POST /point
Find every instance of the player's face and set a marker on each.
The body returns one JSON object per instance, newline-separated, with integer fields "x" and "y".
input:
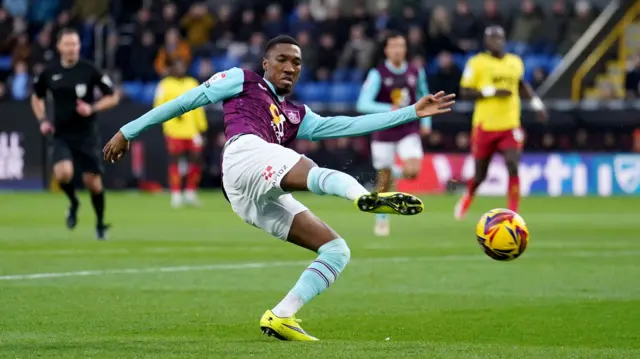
{"x": 495, "y": 43}
{"x": 179, "y": 69}
{"x": 396, "y": 49}
{"x": 282, "y": 67}
{"x": 69, "y": 47}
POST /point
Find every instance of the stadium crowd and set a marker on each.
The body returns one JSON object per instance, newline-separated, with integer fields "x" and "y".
{"x": 338, "y": 39}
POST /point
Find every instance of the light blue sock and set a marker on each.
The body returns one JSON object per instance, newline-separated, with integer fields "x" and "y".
{"x": 323, "y": 181}
{"x": 319, "y": 275}
{"x": 380, "y": 217}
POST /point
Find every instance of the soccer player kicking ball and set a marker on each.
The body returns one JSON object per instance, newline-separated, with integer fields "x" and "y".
{"x": 394, "y": 84}
{"x": 260, "y": 172}
{"x": 494, "y": 79}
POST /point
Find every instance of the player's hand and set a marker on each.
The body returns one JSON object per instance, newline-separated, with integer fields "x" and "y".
{"x": 503, "y": 93}
{"x": 432, "y": 105}
{"x": 46, "y": 127}
{"x": 116, "y": 148}
{"x": 83, "y": 108}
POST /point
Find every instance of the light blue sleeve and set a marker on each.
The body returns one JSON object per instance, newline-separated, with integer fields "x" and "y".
{"x": 219, "y": 87}
{"x": 367, "y": 99}
{"x": 315, "y": 127}
{"x": 423, "y": 90}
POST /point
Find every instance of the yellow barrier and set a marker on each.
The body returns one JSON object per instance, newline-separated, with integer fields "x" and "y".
{"x": 616, "y": 33}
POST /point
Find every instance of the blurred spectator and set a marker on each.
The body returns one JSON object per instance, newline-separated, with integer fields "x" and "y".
{"x": 19, "y": 81}
{"x": 548, "y": 142}
{"x": 224, "y": 24}
{"x": 253, "y": 58}
{"x": 6, "y": 28}
{"x": 63, "y": 20}
{"x": 577, "y": 26}
{"x": 549, "y": 35}
{"x": 274, "y": 23}
{"x": 309, "y": 51}
{"x": 439, "y": 36}
{"x": 526, "y": 24}
{"x": 466, "y": 31}
{"x": 462, "y": 141}
{"x": 435, "y": 142}
{"x": 447, "y": 78}
{"x": 16, "y": 8}
{"x": 336, "y": 24}
{"x": 302, "y": 20}
{"x": 416, "y": 42}
{"x": 174, "y": 48}
{"x": 539, "y": 76}
{"x": 43, "y": 11}
{"x": 205, "y": 70}
{"x": 492, "y": 16}
{"x": 418, "y": 61}
{"x": 320, "y": 9}
{"x": 142, "y": 23}
{"x": 582, "y": 140}
{"x": 636, "y": 140}
{"x": 406, "y": 21}
{"x": 358, "y": 52}
{"x": 609, "y": 142}
{"x": 89, "y": 11}
{"x": 380, "y": 23}
{"x": 632, "y": 80}
{"x": 329, "y": 59}
{"x": 248, "y": 25}
{"x": 21, "y": 50}
{"x": 168, "y": 20}
{"x": 198, "y": 24}
{"x": 41, "y": 52}
{"x": 144, "y": 54}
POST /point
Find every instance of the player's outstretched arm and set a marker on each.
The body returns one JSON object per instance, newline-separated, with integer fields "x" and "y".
{"x": 315, "y": 127}
{"x": 221, "y": 86}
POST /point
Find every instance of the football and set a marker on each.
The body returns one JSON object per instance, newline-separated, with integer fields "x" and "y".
{"x": 502, "y": 234}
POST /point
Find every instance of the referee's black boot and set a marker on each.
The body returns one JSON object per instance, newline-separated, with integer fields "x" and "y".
{"x": 101, "y": 231}
{"x": 72, "y": 215}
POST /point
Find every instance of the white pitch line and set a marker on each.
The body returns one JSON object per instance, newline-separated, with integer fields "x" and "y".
{"x": 259, "y": 265}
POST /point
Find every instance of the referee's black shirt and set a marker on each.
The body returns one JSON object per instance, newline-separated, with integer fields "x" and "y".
{"x": 67, "y": 85}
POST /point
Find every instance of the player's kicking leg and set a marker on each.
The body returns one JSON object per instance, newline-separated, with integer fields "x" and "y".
{"x": 257, "y": 179}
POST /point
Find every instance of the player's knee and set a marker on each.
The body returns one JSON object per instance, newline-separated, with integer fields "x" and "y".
{"x": 337, "y": 252}
{"x": 480, "y": 176}
{"x": 411, "y": 173}
{"x": 512, "y": 168}
{"x": 92, "y": 182}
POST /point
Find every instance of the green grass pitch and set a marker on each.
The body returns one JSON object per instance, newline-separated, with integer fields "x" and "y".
{"x": 192, "y": 283}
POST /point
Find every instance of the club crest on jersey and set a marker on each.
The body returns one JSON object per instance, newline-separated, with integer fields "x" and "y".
{"x": 81, "y": 90}
{"x": 388, "y": 81}
{"x": 293, "y": 116}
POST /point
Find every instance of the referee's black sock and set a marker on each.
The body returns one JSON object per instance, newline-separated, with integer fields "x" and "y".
{"x": 70, "y": 191}
{"x": 97, "y": 199}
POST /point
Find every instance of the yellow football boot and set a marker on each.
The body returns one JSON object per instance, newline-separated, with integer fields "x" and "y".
{"x": 390, "y": 203}
{"x": 284, "y": 328}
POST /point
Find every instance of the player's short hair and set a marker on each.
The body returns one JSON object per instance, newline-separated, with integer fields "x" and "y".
{"x": 67, "y": 31}
{"x": 280, "y": 39}
{"x": 391, "y": 35}
{"x": 494, "y": 30}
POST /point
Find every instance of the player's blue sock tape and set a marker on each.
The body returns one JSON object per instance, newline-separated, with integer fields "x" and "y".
{"x": 332, "y": 259}
{"x": 323, "y": 181}
{"x": 382, "y": 216}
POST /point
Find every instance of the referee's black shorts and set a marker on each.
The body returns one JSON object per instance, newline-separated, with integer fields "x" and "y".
{"x": 85, "y": 155}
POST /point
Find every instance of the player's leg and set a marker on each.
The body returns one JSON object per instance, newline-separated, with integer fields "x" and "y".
{"x": 411, "y": 153}
{"x": 482, "y": 149}
{"x": 194, "y": 173}
{"x": 511, "y": 147}
{"x": 383, "y": 158}
{"x": 175, "y": 150}
{"x": 63, "y": 172}
{"x": 89, "y": 159}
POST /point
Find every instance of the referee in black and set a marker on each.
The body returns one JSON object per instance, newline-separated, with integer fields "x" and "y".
{"x": 76, "y": 141}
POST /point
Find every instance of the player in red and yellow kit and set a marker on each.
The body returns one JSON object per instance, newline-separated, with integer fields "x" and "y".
{"x": 184, "y": 135}
{"x": 494, "y": 79}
